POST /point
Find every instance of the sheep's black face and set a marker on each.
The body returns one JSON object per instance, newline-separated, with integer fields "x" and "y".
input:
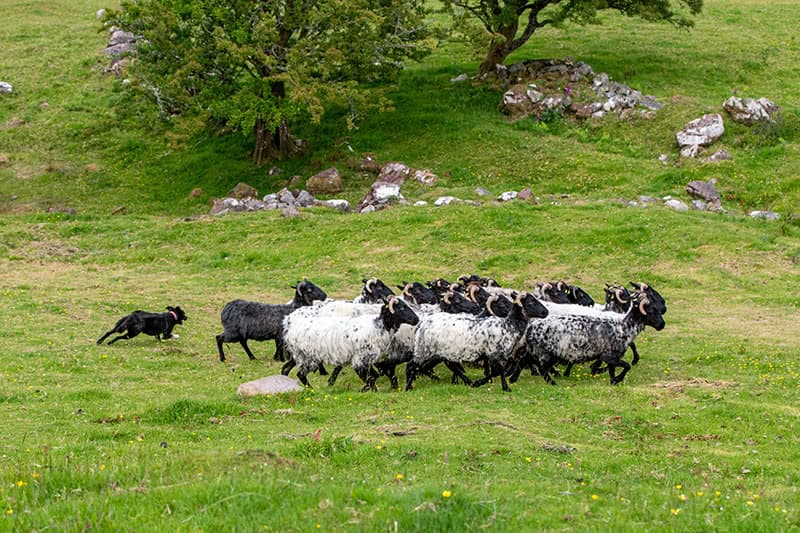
{"x": 498, "y": 305}
{"x": 180, "y": 316}
{"x": 308, "y": 292}
{"x": 472, "y": 278}
{"x": 648, "y": 311}
{"x": 578, "y": 296}
{"x": 551, "y": 293}
{"x": 454, "y": 302}
{"x": 489, "y": 282}
{"x": 532, "y": 307}
{"x": 439, "y": 285}
{"x": 395, "y": 312}
{"x": 653, "y": 295}
{"x": 478, "y": 295}
{"x": 618, "y": 298}
{"x": 419, "y": 293}
{"x": 375, "y": 290}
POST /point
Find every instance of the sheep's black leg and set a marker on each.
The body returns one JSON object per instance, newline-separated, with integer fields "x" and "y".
{"x": 288, "y": 366}
{"x": 334, "y": 375}
{"x": 280, "y": 355}
{"x": 503, "y": 379}
{"x": 597, "y": 367}
{"x": 456, "y": 368}
{"x": 219, "y": 347}
{"x": 515, "y": 371}
{"x": 388, "y": 369}
{"x": 301, "y": 375}
{"x": 366, "y": 376}
{"x": 243, "y": 342}
{"x": 625, "y": 367}
{"x": 321, "y": 370}
{"x": 568, "y": 370}
{"x": 545, "y": 366}
{"x": 635, "y": 353}
{"x": 411, "y": 374}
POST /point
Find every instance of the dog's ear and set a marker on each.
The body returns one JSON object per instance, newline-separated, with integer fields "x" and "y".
{"x": 170, "y": 308}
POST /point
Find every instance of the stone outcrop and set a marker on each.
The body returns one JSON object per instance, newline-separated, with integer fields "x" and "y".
{"x": 748, "y": 111}
{"x": 329, "y": 181}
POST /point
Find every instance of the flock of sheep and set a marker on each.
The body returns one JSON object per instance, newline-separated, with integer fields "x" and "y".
{"x": 472, "y": 322}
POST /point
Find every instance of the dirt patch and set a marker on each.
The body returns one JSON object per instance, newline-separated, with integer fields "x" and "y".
{"x": 395, "y": 430}
{"x": 680, "y": 386}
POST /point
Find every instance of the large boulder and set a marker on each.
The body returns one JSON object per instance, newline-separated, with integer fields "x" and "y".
{"x": 705, "y": 190}
{"x": 326, "y": 182}
{"x": 267, "y": 386}
{"x": 394, "y": 172}
{"x": 243, "y": 190}
{"x": 748, "y": 111}
{"x": 702, "y": 131}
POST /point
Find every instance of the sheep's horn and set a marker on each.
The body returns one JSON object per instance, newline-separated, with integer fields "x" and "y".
{"x": 644, "y": 302}
{"x": 617, "y": 293}
{"x": 391, "y": 305}
{"x": 453, "y": 286}
{"x": 472, "y": 291}
{"x": 560, "y": 285}
{"x": 548, "y": 285}
{"x": 446, "y": 297}
{"x": 489, "y": 302}
{"x": 368, "y": 284}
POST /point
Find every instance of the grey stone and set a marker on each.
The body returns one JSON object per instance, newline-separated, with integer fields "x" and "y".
{"x": 425, "y": 177}
{"x": 100, "y": 13}
{"x": 285, "y": 197}
{"x": 598, "y": 114}
{"x": 420, "y": 203}
{"x": 717, "y": 157}
{"x": 326, "y": 182}
{"x": 6, "y": 88}
{"x": 368, "y": 209}
{"x": 267, "y": 386}
{"x": 341, "y": 205}
{"x": 120, "y": 37}
{"x": 305, "y": 199}
{"x": 525, "y": 194}
{"x": 748, "y": 111}
{"x": 386, "y": 191}
{"x": 369, "y": 163}
{"x": 394, "y": 172}
{"x": 766, "y": 215}
{"x": 507, "y": 196}
{"x": 252, "y": 204}
{"x": 290, "y": 211}
{"x": 702, "y": 131}
{"x": 646, "y": 199}
{"x": 705, "y": 191}
{"x": 270, "y": 198}
{"x": 677, "y": 205}
{"x": 699, "y": 205}
{"x": 461, "y": 77}
{"x": 243, "y": 190}
{"x": 480, "y": 191}
{"x": 691, "y": 151}
{"x": 664, "y": 158}
{"x": 64, "y": 210}
{"x": 446, "y": 200}
{"x": 516, "y": 101}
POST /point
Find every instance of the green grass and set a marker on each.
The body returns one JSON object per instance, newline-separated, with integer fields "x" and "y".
{"x": 149, "y": 435}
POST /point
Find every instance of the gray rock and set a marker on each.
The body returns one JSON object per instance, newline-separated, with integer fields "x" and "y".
{"x": 461, "y": 77}
{"x": 341, "y": 205}
{"x": 699, "y": 205}
{"x": 121, "y": 37}
{"x": 100, "y": 13}
{"x": 705, "y": 191}
{"x": 507, "y": 196}
{"x": 748, "y": 111}
{"x": 766, "y": 215}
{"x": 702, "y": 131}
{"x": 677, "y": 205}
{"x": 285, "y": 197}
{"x": 326, "y": 182}
{"x": 368, "y": 209}
{"x": 305, "y": 199}
{"x": 394, "y": 172}
{"x": 717, "y": 157}
{"x": 516, "y": 102}
{"x": 267, "y": 386}
{"x": 646, "y": 199}
{"x": 243, "y": 190}
{"x": 290, "y": 211}
{"x": 379, "y": 196}
{"x": 691, "y": 151}
{"x": 525, "y": 194}
{"x": 369, "y": 163}
{"x": 480, "y": 191}
{"x": 270, "y": 198}
{"x": 425, "y": 177}
{"x": 6, "y": 88}
{"x": 420, "y": 203}
{"x": 64, "y": 210}
{"x": 664, "y": 158}
{"x": 252, "y": 204}
{"x": 598, "y": 114}
{"x": 446, "y": 200}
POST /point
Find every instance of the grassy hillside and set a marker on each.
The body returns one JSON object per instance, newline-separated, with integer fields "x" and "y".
{"x": 149, "y": 435}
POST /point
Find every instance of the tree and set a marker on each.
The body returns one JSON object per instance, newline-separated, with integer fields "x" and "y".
{"x": 510, "y": 23}
{"x": 257, "y": 65}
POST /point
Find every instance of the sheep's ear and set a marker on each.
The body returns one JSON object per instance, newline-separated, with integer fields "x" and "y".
{"x": 363, "y": 280}
{"x": 293, "y": 286}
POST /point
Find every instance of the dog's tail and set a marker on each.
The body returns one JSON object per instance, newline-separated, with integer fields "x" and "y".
{"x": 119, "y": 327}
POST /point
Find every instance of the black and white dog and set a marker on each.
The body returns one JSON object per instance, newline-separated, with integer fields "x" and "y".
{"x": 155, "y": 324}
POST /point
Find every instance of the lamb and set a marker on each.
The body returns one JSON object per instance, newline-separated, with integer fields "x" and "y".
{"x": 243, "y": 320}
{"x": 584, "y": 338}
{"x": 358, "y": 341}
{"x": 467, "y": 339}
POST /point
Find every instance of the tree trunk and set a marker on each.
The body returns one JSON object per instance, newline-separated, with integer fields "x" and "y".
{"x": 275, "y": 144}
{"x": 498, "y": 51}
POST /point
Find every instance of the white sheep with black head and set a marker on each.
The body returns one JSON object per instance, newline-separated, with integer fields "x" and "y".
{"x": 585, "y": 338}
{"x": 359, "y": 341}
{"x": 463, "y": 338}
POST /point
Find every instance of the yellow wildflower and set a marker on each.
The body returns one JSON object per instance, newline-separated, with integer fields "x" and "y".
{"x": 446, "y": 494}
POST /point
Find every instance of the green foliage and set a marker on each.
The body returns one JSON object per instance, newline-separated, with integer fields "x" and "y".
{"x": 260, "y": 65}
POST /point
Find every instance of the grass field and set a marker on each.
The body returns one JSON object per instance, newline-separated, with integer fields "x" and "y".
{"x": 148, "y": 435}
